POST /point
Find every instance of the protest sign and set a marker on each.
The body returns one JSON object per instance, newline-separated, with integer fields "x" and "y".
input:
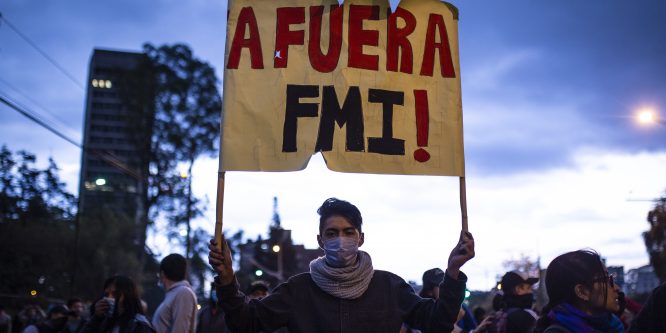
{"x": 373, "y": 90}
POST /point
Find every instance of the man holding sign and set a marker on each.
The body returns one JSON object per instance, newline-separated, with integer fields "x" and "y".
{"x": 342, "y": 292}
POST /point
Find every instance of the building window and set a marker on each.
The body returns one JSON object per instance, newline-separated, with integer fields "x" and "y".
{"x": 102, "y": 83}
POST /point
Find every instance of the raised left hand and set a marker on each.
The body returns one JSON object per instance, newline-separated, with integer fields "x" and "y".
{"x": 462, "y": 253}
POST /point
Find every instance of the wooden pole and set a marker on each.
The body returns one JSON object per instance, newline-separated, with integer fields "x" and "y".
{"x": 463, "y": 203}
{"x": 219, "y": 207}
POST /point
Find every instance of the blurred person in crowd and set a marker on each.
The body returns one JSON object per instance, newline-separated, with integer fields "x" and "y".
{"x": 431, "y": 280}
{"x": 583, "y": 297}
{"x": 479, "y": 314}
{"x": 342, "y": 289}
{"x": 119, "y": 310}
{"x": 515, "y": 314}
{"x": 430, "y": 289}
{"x": 467, "y": 323}
{"x": 211, "y": 316}
{"x": 76, "y": 320}
{"x": 484, "y": 322}
{"x": 258, "y": 290}
{"x": 56, "y": 320}
{"x": 178, "y": 310}
{"x": 5, "y": 321}
{"x": 629, "y": 308}
{"x": 652, "y": 317}
{"x": 30, "y": 314}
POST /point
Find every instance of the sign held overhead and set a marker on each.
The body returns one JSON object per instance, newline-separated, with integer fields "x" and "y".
{"x": 374, "y": 91}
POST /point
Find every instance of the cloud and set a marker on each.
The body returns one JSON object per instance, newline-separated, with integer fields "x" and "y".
{"x": 411, "y": 222}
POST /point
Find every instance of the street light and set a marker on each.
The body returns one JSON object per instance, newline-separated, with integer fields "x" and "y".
{"x": 276, "y": 249}
{"x": 648, "y": 116}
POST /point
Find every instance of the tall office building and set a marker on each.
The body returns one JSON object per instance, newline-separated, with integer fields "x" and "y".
{"x": 109, "y": 162}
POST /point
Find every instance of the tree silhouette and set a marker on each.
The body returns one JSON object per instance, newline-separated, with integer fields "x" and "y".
{"x": 188, "y": 107}
{"x": 655, "y": 238}
{"x": 175, "y": 119}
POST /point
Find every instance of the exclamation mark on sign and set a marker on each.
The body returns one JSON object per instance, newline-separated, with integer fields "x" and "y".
{"x": 422, "y": 121}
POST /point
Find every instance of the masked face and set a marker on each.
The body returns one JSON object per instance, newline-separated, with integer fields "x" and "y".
{"x": 524, "y": 301}
{"x": 340, "y": 241}
{"x": 341, "y": 251}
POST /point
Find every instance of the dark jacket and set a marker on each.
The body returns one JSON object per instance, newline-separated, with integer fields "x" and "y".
{"x": 556, "y": 328}
{"x": 103, "y": 325}
{"x": 652, "y": 317}
{"x": 519, "y": 321}
{"x": 211, "y": 319}
{"x": 301, "y": 306}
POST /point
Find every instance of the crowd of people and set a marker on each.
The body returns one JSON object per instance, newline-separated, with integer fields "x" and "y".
{"x": 342, "y": 292}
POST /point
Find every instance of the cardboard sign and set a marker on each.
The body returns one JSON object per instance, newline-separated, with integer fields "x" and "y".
{"x": 374, "y": 91}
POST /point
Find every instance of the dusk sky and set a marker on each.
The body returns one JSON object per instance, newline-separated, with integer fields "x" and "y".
{"x": 555, "y": 160}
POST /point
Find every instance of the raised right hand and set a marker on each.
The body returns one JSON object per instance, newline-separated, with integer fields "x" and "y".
{"x": 220, "y": 260}
{"x": 101, "y": 307}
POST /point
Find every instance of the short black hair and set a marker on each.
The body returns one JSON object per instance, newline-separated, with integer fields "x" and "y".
{"x": 258, "y": 285}
{"x": 73, "y": 301}
{"x": 334, "y": 206}
{"x": 174, "y": 267}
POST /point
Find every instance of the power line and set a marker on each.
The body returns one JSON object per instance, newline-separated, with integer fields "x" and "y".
{"x": 42, "y": 52}
{"x": 54, "y": 116}
{"x": 42, "y": 123}
{"x": 112, "y": 160}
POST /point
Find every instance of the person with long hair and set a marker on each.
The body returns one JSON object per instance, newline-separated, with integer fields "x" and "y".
{"x": 582, "y": 296}
{"x": 119, "y": 310}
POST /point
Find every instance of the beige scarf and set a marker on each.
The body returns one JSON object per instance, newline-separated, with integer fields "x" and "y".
{"x": 344, "y": 282}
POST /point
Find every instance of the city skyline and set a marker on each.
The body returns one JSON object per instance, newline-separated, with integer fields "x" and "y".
{"x": 553, "y": 155}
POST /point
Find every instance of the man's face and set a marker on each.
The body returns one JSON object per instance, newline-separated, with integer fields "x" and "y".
{"x": 58, "y": 321}
{"x": 110, "y": 291}
{"x": 522, "y": 289}
{"x": 57, "y": 315}
{"x": 258, "y": 294}
{"x": 77, "y": 308}
{"x": 338, "y": 226}
{"x": 433, "y": 293}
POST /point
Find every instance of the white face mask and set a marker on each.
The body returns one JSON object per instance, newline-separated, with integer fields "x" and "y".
{"x": 341, "y": 251}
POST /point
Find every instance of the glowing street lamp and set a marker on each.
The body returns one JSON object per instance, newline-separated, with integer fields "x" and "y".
{"x": 276, "y": 248}
{"x": 649, "y": 117}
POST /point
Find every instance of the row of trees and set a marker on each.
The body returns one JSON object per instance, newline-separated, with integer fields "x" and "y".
{"x": 173, "y": 118}
{"x": 36, "y": 222}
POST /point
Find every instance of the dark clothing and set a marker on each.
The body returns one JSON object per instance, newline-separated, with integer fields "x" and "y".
{"x": 301, "y": 306}
{"x": 104, "y": 325}
{"x": 75, "y": 326}
{"x": 652, "y": 317}
{"x": 516, "y": 315}
{"x": 578, "y": 321}
{"x": 519, "y": 321}
{"x": 556, "y": 328}
{"x": 211, "y": 319}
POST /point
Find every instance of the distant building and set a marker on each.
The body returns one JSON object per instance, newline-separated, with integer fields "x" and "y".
{"x": 618, "y": 274}
{"x": 641, "y": 280}
{"x": 274, "y": 259}
{"x": 109, "y": 162}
